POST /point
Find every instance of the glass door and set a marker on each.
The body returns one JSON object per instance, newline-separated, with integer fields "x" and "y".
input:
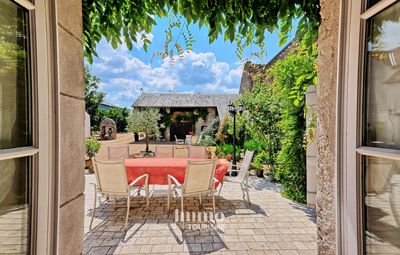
{"x": 380, "y": 150}
{"x": 17, "y": 140}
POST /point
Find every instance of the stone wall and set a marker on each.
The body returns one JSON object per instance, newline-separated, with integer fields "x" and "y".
{"x": 212, "y": 113}
{"x": 311, "y": 102}
{"x": 326, "y": 91}
{"x": 72, "y": 117}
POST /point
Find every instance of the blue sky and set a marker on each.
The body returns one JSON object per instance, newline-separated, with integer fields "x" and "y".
{"x": 208, "y": 68}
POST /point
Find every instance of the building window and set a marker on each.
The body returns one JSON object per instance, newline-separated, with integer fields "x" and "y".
{"x": 16, "y": 139}
{"x": 381, "y": 129}
{"x": 382, "y": 205}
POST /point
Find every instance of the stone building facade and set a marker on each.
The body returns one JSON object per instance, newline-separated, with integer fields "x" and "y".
{"x": 250, "y": 69}
{"x": 186, "y": 103}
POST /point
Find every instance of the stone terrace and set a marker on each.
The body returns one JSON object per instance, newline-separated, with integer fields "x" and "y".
{"x": 270, "y": 225}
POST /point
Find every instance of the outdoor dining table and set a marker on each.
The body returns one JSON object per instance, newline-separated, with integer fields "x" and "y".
{"x": 159, "y": 168}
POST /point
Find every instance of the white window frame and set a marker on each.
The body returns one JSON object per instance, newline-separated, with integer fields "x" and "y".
{"x": 44, "y": 109}
{"x": 349, "y": 124}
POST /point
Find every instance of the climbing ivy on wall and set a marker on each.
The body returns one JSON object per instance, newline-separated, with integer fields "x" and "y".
{"x": 276, "y": 108}
{"x": 242, "y": 21}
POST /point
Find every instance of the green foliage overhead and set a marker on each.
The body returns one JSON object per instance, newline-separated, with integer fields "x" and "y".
{"x": 146, "y": 121}
{"x": 177, "y": 36}
{"x": 243, "y": 21}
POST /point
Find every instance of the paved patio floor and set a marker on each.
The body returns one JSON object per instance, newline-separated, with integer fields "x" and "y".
{"x": 270, "y": 225}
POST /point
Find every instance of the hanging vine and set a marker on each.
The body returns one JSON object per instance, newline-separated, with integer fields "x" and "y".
{"x": 242, "y": 21}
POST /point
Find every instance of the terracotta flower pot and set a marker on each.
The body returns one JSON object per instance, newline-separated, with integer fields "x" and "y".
{"x": 89, "y": 165}
{"x": 260, "y": 173}
{"x": 229, "y": 157}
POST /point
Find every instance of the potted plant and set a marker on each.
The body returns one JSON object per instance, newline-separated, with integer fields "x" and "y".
{"x": 92, "y": 148}
{"x": 259, "y": 168}
{"x": 145, "y": 121}
{"x": 209, "y": 153}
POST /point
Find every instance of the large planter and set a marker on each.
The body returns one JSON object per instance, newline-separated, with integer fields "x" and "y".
{"x": 260, "y": 173}
{"x": 89, "y": 165}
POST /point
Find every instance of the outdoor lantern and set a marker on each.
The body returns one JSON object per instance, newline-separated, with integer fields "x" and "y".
{"x": 240, "y": 108}
{"x": 233, "y": 112}
{"x": 230, "y": 108}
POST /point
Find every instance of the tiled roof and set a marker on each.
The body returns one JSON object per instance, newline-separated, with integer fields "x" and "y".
{"x": 220, "y": 101}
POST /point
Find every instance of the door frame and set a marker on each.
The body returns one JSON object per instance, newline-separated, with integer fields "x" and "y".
{"x": 349, "y": 149}
{"x": 45, "y": 122}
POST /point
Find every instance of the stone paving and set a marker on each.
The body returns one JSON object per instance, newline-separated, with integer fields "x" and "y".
{"x": 270, "y": 225}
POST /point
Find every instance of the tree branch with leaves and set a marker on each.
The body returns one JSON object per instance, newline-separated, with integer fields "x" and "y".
{"x": 242, "y": 21}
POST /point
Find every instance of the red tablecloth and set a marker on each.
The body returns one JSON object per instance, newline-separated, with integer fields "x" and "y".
{"x": 159, "y": 168}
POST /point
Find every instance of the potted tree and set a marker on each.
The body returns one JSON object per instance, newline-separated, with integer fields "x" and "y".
{"x": 147, "y": 122}
{"x": 92, "y": 148}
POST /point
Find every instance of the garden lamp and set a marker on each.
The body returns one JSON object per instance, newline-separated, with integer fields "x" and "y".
{"x": 232, "y": 111}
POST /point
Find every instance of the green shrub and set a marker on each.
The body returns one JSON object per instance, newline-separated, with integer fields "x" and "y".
{"x": 226, "y": 149}
{"x": 222, "y": 134}
{"x": 292, "y": 76}
{"x": 207, "y": 136}
{"x": 276, "y": 117}
{"x": 262, "y": 158}
{"x": 255, "y": 145}
{"x": 119, "y": 115}
{"x": 92, "y": 147}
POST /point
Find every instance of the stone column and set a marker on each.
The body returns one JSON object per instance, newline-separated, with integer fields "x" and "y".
{"x": 72, "y": 123}
{"x": 311, "y": 102}
{"x": 326, "y": 157}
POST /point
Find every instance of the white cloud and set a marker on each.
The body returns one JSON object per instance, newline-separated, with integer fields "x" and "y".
{"x": 123, "y": 75}
{"x": 388, "y": 37}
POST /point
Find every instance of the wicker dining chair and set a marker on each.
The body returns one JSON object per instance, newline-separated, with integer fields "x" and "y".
{"x": 243, "y": 175}
{"x": 118, "y": 152}
{"x": 111, "y": 180}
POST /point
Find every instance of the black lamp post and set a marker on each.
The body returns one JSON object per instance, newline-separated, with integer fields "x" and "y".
{"x": 233, "y": 111}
